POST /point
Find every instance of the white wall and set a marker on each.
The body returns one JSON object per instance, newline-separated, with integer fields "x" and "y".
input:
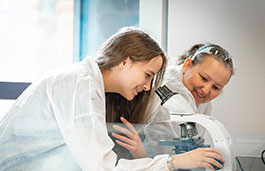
{"x": 153, "y": 19}
{"x": 238, "y": 26}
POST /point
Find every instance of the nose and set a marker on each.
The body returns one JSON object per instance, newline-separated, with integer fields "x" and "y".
{"x": 147, "y": 86}
{"x": 206, "y": 89}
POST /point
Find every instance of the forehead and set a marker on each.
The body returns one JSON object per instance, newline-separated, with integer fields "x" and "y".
{"x": 214, "y": 69}
{"x": 153, "y": 65}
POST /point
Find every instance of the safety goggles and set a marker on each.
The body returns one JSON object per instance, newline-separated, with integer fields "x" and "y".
{"x": 214, "y": 50}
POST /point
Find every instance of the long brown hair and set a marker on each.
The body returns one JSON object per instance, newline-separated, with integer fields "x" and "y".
{"x": 140, "y": 47}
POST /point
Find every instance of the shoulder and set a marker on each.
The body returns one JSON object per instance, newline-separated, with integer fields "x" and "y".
{"x": 78, "y": 78}
{"x": 173, "y": 78}
{"x": 84, "y": 70}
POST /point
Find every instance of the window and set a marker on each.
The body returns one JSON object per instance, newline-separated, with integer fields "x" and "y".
{"x": 40, "y": 35}
{"x": 36, "y": 36}
{"x": 99, "y": 19}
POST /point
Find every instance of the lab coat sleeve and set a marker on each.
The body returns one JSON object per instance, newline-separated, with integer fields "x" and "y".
{"x": 78, "y": 104}
{"x": 158, "y": 163}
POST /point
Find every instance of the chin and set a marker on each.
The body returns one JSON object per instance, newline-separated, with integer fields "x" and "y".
{"x": 128, "y": 97}
{"x": 201, "y": 102}
{"x": 197, "y": 102}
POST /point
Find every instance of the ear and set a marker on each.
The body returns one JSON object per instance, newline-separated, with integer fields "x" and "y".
{"x": 187, "y": 64}
{"x": 125, "y": 62}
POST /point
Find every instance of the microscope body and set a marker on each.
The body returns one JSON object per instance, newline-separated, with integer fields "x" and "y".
{"x": 182, "y": 113}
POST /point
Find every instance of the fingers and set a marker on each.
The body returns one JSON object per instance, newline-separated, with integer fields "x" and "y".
{"x": 124, "y": 131}
{"x": 208, "y": 161}
{"x": 213, "y": 153}
{"x": 123, "y": 138}
{"x": 127, "y": 146}
{"x": 124, "y": 142}
{"x": 207, "y": 165}
{"x": 131, "y": 133}
{"x": 201, "y": 157}
{"x": 129, "y": 125}
{"x": 210, "y": 156}
{"x": 130, "y": 140}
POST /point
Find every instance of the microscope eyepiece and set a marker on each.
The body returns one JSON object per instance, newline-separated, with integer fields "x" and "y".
{"x": 164, "y": 93}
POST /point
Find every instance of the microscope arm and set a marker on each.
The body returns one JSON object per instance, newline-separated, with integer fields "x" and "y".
{"x": 220, "y": 136}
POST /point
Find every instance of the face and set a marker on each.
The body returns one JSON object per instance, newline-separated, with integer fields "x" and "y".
{"x": 205, "y": 80}
{"x": 136, "y": 77}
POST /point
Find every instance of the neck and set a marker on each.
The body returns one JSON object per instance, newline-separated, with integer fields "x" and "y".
{"x": 109, "y": 80}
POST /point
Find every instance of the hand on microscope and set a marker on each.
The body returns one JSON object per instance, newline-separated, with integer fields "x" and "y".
{"x": 131, "y": 141}
{"x": 200, "y": 157}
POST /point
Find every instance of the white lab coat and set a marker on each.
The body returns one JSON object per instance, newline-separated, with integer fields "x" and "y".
{"x": 59, "y": 123}
{"x": 159, "y": 126}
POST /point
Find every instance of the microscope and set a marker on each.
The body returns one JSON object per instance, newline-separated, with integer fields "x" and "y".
{"x": 183, "y": 114}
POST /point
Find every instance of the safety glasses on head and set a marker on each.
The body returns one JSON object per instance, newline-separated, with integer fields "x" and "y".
{"x": 214, "y": 50}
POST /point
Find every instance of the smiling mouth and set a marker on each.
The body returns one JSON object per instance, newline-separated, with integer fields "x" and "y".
{"x": 199, "y": 94}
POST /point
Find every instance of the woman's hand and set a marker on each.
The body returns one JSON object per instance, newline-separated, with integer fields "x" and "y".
{"x": 132, "y": 142}
{"x": 200, "y": 157}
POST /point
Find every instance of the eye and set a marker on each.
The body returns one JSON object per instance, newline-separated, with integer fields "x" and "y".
{"x": 216, "y": 88}
{"x": 203, "y": 78}
{"x": 147, "y": 75}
